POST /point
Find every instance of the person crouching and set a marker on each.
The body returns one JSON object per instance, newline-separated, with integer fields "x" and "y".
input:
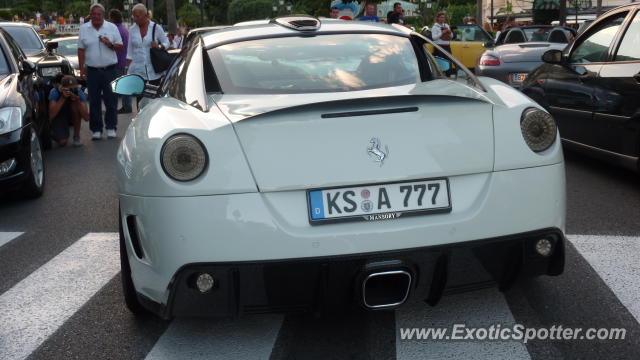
{"x": 67, "y": 106}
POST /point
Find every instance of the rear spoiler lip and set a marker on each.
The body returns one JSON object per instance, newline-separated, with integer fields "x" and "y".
{"x": 373, "y": 100}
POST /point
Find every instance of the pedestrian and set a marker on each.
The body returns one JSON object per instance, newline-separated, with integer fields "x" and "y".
{"x": 116, "y": 17}
{"x": 70, "y": 18}
{"x": 441, "y": 32}
{"x": 142, "y": 38}
{"x": 67, "y": 106}
{"x": 396, "y": 15}
{"x": 178, "y": 39}
{"x": 369, "y": 13}
{"x": 334, "y": 13}
{"x": 98, "y": 42}
{"x": 81, "y": 20}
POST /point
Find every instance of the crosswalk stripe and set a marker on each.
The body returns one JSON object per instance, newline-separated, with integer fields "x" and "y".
{"x": 37, "y": 306}
{"x": 615, "y": 259}
{"x": 474, "y": 309}
{"x": 5, "y": 237}
{"x": 250, "y": 337}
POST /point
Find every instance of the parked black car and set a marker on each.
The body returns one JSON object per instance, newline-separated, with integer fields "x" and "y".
{"x": 48, "y": 65}
{"x": 592, "y": 88}
{"x": 21, "y": 161}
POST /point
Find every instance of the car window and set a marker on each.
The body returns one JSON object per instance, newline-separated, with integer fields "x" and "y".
{"x": 328, "y": 63}
{"x": 68, "y": 47}
{"x": 596, "y": 46}
{"x": 5, "y": 69}
{"x": 537, "y": 34}
{"x": 26, "y": 38}
{"x": 470, "y": 33}
{"x": 17, "y": 53}
{"x": 629, "y": 49}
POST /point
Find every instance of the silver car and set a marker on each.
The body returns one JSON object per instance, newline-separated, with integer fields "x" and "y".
{"x": 518, "y": 51}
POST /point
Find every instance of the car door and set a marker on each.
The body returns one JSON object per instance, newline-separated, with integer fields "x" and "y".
{"x": 569, "y": 88}
{"x": 617, "y": 95}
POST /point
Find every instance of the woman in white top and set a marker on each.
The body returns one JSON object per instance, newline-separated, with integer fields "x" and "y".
{"x": 441, "y": 34}
{"x": 141, "y": 39}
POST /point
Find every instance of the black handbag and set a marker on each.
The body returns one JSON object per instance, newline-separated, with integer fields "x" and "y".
{"x": 160, "y": 58}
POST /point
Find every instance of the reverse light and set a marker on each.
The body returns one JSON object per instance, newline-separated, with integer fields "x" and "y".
{"x": 544, "y": 247}
{"x": 205, "y": 282}
{"x": 538, "y": 129}
{"x": 183, "y": 157}
{"x": 489, "y": 60}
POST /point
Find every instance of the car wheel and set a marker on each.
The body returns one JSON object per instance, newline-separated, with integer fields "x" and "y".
{"x": 129, "y": 291}
{"x": 34, "y": 186}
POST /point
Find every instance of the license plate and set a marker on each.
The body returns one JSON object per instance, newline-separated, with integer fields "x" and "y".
{"x": 378, "y": 202}
{"x": 519, "y": 77}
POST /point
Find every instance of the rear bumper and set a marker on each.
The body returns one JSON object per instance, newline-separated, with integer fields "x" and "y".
{"x": 504, "y": 71}
{"x": 330, "y": 284}
{"x": 247, "y": 232}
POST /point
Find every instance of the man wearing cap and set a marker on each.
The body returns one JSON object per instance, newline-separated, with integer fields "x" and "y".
{"x": 67, "y": 106}
{"x": 98, "y": 42}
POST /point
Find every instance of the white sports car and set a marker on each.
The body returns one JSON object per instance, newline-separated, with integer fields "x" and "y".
{"x": 300, "y": 164}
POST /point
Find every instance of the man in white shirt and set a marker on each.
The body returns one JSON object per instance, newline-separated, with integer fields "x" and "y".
{"x": 98, "y": 42}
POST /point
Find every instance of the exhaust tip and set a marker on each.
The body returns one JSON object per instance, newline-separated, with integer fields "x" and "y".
{"x": 386, "y": 289}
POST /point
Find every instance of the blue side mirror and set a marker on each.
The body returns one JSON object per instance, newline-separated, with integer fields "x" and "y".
{"x": 443, "y": 64}
{"x": 128, "y": 85}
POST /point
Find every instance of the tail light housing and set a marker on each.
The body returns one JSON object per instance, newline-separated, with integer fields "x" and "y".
{"x": 489, "y": 60}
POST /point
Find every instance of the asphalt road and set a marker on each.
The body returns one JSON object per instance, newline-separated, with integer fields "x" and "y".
{"x": 70, "y": 233}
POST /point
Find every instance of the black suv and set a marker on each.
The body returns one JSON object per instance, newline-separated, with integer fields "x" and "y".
{"x": 48, "y": 65}
{"x": 592, "y": 88}
{"x": 21, "y": 161}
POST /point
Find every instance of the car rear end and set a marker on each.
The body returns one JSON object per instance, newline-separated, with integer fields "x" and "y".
{"x": 388, "y": 188}
{"x": 512, "y": 63}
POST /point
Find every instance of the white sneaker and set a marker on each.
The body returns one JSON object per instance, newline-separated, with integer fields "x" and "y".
{"x": 97, "y": 135}
{"x": 111, "y": 133}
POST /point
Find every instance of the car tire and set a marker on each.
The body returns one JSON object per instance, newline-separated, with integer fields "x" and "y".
{"x": 34, "y": 184}
{"x": 128, "y": 290}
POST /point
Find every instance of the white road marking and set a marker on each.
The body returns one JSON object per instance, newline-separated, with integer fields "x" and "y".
{"x": 615, "y": 259}
{"x": 37, "y": 306}
{"x": 481, "y": 308}
{"x": 5, "y": 237}
{"x": 250, "y": 337}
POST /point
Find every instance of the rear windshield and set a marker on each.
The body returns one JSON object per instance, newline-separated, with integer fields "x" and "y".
{"x": 327, "y": 63}
{"x": 26, "y": 38}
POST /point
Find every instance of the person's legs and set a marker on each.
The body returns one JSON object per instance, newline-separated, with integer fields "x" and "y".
{"x": 95, "y": 100}
{"x": 110, "y": 99}
{"x": 126, "y": 100}
{"x": 77, "y": 122}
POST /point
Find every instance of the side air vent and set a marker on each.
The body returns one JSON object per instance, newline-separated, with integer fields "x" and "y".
{"x": 133, "y": 235}
{"x": 298, "y": 22}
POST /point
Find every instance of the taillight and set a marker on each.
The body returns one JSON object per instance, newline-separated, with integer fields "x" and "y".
{"x": 489, "y": 60}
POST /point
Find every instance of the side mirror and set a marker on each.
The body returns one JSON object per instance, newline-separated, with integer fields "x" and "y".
{"x": 553, "y": 57}
{"x": 27, "y": 67}
{"x": 443, "y": 64}
{"x": 128, "y": 85}
{"x": 51, "y": 45}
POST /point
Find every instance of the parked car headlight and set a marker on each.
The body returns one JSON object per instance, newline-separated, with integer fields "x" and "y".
{"x": 10, "y": 119}
{"x": 538, "y": 129}
{"x": 183, "y": 157}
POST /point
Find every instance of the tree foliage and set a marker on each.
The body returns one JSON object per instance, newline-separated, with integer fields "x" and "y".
{"x": 455, "y": 13}
{"x": 243, "y": 10}
{"x": 189, "y": 15}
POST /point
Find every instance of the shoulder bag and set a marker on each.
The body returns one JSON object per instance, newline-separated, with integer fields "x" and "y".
{"x": 160, "y": 58}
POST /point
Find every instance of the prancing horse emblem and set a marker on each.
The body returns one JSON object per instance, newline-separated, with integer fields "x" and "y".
{"x": 375, "y": 152}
